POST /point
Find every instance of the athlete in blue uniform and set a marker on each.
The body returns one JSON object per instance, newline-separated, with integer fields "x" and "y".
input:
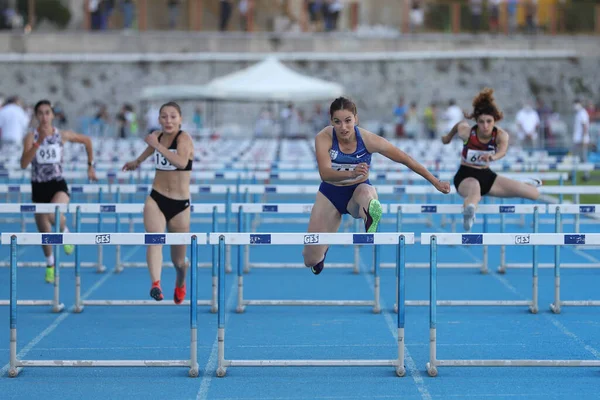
{"x": 168, "y": 205}
{"x": 343, "y": 153}
{"x": 484, "y": 143}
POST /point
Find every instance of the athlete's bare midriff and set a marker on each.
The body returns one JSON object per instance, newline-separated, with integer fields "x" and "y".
{"x": 173, "y": 184}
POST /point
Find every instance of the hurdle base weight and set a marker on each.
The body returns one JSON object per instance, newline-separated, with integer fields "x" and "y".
{"x": 431, "y": 370}
{"x": 401, "y": 371}
{"x": 555, "y": 308}
{"x": 221, "y": 371}
{"x": 58, "y": 308}
{"x": 14, "y": 372}
{"x": 194, "y": 371}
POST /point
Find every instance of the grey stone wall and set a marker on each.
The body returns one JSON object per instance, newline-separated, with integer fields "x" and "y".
{"x": 375, "y": 85}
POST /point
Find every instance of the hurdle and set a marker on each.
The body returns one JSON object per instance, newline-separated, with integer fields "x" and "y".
{"x": 36, "y": 208}
{"x": 17, "y": 239}
{"x": 558, "y": 210}
{"x": 55, "y": 208}
{"x": 243, "y": 210}
{"x": 534, "y": 239}
{"x": 376, "y": 239}
{"x": 576, "y": 209}
{"x": 456, "y": 209}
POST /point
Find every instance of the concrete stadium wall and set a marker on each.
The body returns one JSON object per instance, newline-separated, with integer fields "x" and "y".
{"x": 376, "y": 82}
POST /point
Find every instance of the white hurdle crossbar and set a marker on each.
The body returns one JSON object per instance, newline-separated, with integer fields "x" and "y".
{"x": 117, "y": 209}
{"x": 243, "y": 210}
{"x": 17, "y": 239}
{"x": 499, "y": 239}
{"x": 577, "y": 209}
{"x": 485, "y": 209}
{"x": 57, "y": 209}
{"x": 455, "y": 209}
{"x": 261, "y": 239}
{"x": 559, "y": 210}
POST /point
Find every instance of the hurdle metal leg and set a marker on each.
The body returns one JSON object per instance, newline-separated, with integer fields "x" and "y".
{"x": 223, "y": 364}
{"x": 16, "y": 365}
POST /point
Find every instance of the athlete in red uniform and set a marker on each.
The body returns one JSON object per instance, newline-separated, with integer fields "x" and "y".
{"x": 484, "y": 143}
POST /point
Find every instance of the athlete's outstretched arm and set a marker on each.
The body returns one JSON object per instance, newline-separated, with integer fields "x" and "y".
{"x": 132, "y": 165}
{"x": 462, "y": 128}
{"x": 377, "y": 144}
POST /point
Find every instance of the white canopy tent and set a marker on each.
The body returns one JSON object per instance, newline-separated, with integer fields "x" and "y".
{"x": 268, "y": 81}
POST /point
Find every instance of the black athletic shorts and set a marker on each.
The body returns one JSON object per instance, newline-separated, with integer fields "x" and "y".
{"x": 43, "y": 192}
{"x": 484, "y": 176}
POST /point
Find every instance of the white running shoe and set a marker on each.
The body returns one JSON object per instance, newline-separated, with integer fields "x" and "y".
{"x": 535, "y": 182}
{"x": 469, "y": 217}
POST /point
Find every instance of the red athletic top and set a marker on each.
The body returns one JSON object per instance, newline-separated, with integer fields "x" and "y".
{"x": 473, "y": 149}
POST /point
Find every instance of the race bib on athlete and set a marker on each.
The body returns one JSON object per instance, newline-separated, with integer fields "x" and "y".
{"x": 343, "y": 167}
{"x": 49, "y": 154}
{"x": 474, "y": 156}
{"x": 162, "y": 163}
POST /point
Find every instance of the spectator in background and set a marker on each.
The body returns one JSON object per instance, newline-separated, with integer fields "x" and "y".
{"x": 581, "y": 133}
{"x": 412, "y": 126}
{"x": 528, "y": 122}
{"x": 225, "y": 14}
{"x": 494, "y": 15}
{"x": 314, "y": 8}
{"x": 417, "y": 16}
{"x": 13, "y": 121}
{"x": 399, "y": 115}
{"x": 173, "y": 13}
{"x": 530, "y": 15}
{"x": 265, "y": 125}
{"x": 430, "y": 121}
{"x": 319, "y": 119}
{"x": 244, "y": 10}
{"x": 198, "y": 118}
{"x": 545, "y": 114}
{"x": 332, "y": 11}
{"x": 452, "y": 116}
{"x": 476, "y": 11}
{"x": 512, "y": 15}
{"x": 130, "y": 120}
{"x": 128, "y": 10}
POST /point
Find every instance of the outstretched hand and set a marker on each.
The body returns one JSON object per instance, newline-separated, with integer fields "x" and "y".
{"x": 131, "y": 165}
{"x": 446, "y": 139}
{"x": 443, "y": 187}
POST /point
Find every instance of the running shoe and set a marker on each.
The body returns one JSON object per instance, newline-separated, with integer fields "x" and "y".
{"x": 320, "y": 265}
{"x": 179, "y": 294}
{"x": 469, "y": 217}
{"x": 373, "y": 216}
{"x": 50, "y": 274}
{"x": 69, "y": 248}
{"x": 156, "y": 291}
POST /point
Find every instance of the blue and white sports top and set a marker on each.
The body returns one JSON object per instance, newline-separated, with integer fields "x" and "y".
{"x": 47, "y": 164}
{"x": 348, "y": 162}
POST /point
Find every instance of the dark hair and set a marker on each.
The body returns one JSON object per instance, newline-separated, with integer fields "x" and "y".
{"x": 342, "y": 103}
{"x": 40, "y": 103}
{"x": 484, "y": 103}
{"x": 171, "y": 104}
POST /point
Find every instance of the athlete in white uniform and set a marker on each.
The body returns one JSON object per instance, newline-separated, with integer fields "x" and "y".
{"x": 43, "y": 149}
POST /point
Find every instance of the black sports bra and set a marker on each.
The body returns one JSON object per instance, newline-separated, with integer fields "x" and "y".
{"x": 162, "y": 164}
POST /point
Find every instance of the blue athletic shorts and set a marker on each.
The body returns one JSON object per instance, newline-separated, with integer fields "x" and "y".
{"x": 339, "y": 196}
